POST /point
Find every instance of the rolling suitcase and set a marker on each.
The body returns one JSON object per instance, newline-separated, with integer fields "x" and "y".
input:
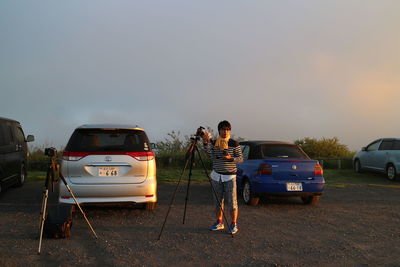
{"x": 58, "y": 222}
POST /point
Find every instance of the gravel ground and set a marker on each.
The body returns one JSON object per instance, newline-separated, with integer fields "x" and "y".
{"x": 351, "y": 226}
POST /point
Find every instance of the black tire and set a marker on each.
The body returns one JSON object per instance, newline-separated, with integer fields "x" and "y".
{"x": 357, "y": 166}
{"x": 150, "y": 206}
{"x": 21, "y": 176}
{"x": 311, "y": 200}
{"x": 391, "y": 172}
{"x": 248, "y": 195}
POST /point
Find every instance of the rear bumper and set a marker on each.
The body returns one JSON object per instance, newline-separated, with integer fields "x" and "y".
{"x": 279, "y": 188}
{"x": 110, "y": 193}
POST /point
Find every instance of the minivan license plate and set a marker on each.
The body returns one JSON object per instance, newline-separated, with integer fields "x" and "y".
{"x": 294, "y": 187}
{"x": 108, "y": 171}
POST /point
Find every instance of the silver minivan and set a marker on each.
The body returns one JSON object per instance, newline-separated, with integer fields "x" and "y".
{"x": 109, "y": 163}
{"x": 382, "y": 155}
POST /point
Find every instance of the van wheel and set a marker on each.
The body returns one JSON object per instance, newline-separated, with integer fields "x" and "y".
{"x": 391, "y": 172}
{"x": 150, "y": 206}
{"x": 248, "y": 195}
{"x": 311, "y": 200}
{"x": 21, "y": 177}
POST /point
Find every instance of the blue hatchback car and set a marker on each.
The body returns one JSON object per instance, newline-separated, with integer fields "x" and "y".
{"x": 278, "y": 169}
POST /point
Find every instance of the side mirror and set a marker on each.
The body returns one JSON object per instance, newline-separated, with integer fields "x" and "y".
{"x": 364, "y": 149}
{"x": 30, "y": 138}
{"x": 153, "y": 146}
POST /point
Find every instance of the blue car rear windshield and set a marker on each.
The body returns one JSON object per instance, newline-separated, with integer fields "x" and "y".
{"x": 282, "y": 151}
{"x": 101, "y": 140}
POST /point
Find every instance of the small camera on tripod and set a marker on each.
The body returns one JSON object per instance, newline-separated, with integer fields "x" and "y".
{"x": 200, "y": 131}
{"x": 50, "y": 152}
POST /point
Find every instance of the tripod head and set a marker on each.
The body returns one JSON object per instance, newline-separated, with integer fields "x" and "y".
{"x": 53, "y": 169}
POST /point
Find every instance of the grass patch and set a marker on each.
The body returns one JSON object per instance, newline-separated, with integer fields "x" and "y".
{"x": 34, "y": 176}
{"x": 173, "y": 175}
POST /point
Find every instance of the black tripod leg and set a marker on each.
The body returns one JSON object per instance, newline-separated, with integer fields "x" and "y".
{"x": 173, "y": 199}
{"x": 213, "y": 189}
{"x": 188, "y": 185}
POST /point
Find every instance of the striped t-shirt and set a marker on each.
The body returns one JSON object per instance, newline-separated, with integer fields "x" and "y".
{"x": 221, "y": 165}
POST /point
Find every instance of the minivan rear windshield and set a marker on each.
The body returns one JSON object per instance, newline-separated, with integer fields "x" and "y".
{"x": 102, "y": 140}
{"x": 282, "y": 151}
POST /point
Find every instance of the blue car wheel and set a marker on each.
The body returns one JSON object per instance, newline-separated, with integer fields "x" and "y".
{"x": 248, "y": 195}
{"x": 311, "y": 200}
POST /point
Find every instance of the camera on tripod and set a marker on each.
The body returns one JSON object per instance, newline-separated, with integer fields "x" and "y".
{"x": 200, "y": 131}
{"x": 50, "y": 152}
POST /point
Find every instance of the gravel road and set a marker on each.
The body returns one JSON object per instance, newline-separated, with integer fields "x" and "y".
{"x": 351, "y": 226}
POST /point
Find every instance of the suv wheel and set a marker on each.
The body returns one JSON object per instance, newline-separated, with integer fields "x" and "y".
{"x": 22, "y": 175}
{"x": 391, "y": 172}
{"x": 248, "y": 195}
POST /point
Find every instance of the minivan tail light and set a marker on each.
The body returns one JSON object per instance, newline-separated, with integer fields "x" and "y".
{"x": 318, "y": 171}
{"x": 74, "y": 156}
{"x": 141, "y": 156}
{"x": 264, "y": 169}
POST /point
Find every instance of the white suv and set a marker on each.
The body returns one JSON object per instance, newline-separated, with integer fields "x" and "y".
{"x": 109, "y": 163}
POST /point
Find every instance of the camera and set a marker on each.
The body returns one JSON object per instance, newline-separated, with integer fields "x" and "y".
{"x": 50, "y": 152}
{"x": 200, "y": 131}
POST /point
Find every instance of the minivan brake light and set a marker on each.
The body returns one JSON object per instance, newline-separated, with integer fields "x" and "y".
{"x": 74, "y": 156}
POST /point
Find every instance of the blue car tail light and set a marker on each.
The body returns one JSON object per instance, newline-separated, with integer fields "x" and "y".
{"x": 264, "y": 169}
{"x": 318, "y": 171}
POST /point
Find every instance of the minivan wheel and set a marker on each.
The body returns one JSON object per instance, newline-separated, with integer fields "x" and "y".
{"x": 248, "y": 195}
{"x": 150, "y": 205}
{"x": 22, "y": 175}
{"x": 391, "y": 172}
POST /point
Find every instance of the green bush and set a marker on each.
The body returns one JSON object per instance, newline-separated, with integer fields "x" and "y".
{"x": 324, "y": 148}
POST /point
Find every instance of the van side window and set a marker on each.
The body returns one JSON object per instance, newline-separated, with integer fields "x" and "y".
{"x": 7, "y": 134}
{"x": 2, "y": 140}
{"x": 20, "y": 135}
{"x": 386, "y": 145}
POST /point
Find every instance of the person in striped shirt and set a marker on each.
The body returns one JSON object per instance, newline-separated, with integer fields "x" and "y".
{"x": 225, "y": 153}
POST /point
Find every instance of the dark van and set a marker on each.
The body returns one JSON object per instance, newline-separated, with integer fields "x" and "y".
{"x": 13, "y": 153}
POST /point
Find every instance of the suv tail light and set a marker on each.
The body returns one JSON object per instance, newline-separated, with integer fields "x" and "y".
{"x": 264, "y": 169}
{"x": 75, "y": 156}
{"x": 318, "y": 171}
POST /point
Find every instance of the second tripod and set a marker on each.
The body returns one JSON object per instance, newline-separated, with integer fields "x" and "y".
{"x": 190, "y": 157}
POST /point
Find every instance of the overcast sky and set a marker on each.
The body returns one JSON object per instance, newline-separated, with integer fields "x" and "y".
{"x": 277, "y": 70}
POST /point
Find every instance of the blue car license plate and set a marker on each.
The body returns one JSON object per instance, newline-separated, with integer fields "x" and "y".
{"x": 294, "y": 187}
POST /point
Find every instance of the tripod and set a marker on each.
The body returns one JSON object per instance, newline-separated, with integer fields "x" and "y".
{"x": 53, "y": 171}
{"x": 190, "y": 155}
